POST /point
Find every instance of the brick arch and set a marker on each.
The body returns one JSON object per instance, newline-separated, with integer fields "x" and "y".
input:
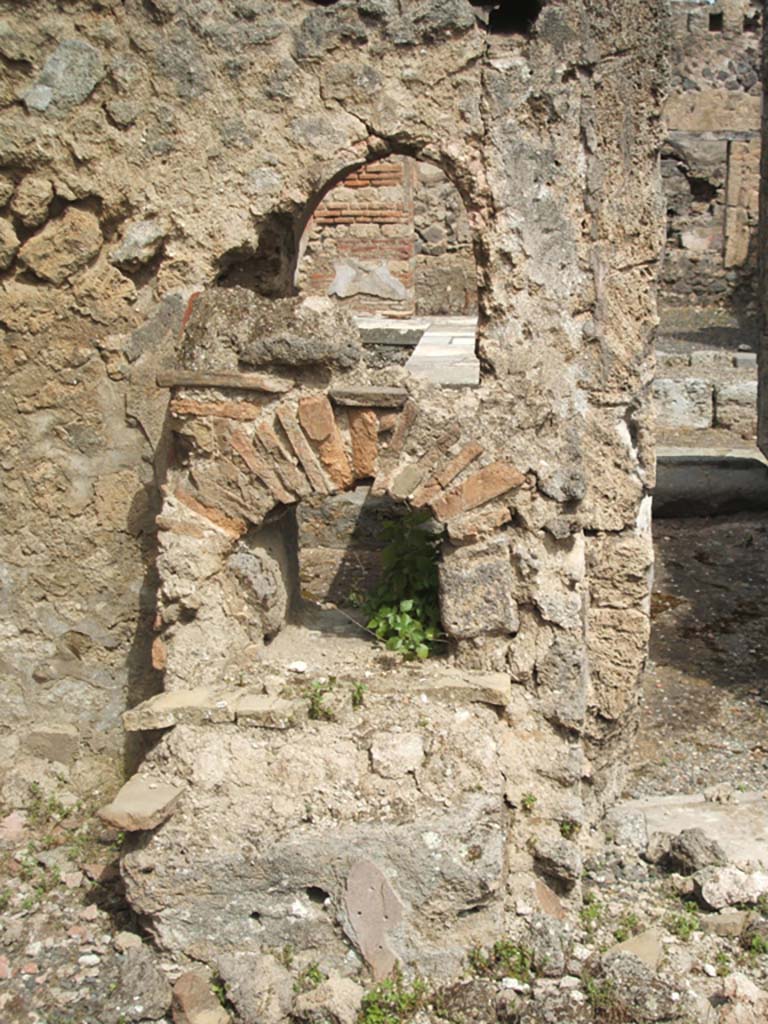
{"x": 387, "y": 196}
{"x": 276, "y": 451}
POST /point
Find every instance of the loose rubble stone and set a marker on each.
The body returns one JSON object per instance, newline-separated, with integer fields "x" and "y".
{"x": 68, "y": 78}
{"x": 9, "y": 244}
{"x": 260, "y": 989}
{"x": 470, "y": 1002}
{"x": 647, "y": 947}
{"x": 143, "y": 992}
{"x": 559, "y": 859}
{"x": 194, "y": 1002}
{"x": 746, "y": 1002}
{"x": 32, "y": 199}
{"x": 336, "y": 1000}
{"x": 140, "y": 244}
{"x": 141, "y": 804}
{"x": 725, "y": 887}
{"x": 685, "y": 853}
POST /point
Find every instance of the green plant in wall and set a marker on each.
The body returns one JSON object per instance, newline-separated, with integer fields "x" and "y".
{"x": 404, "y": 609}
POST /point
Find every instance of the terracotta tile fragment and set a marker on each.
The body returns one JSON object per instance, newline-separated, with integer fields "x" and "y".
{"x": 225, "y": 410}
{"x": 242, "y": 445}
{"x": 303, "y": 450}
{"x": 228, "y": 524}
{"x": 267, "y": 440}
{"x": 364, "y": 429}
{"x": 487, "y": 483}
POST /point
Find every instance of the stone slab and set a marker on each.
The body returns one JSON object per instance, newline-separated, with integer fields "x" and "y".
{"x": 372, "y": 398}
{"x": 741, "y": 827}
{"x": 241, "y": 381}
{"x": 180, "y": 707}
{"x": 141, "y": 804}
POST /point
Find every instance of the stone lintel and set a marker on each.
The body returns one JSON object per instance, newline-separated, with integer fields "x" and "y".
{"x": 376, "y": 398}
{"x": 241, "y": 381}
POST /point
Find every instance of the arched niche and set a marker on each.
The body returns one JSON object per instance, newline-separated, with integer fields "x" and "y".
{"x": 390, "y": 240}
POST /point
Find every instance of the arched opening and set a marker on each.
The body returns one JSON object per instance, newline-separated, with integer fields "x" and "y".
{"x": 390, "y": 241}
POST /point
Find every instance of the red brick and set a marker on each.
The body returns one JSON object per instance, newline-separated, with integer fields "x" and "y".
{"x": 303, "y": 450}
{"x": 225, "y": 410}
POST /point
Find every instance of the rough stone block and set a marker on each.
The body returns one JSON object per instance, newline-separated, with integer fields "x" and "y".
{"x": 683, "y": 403}
{"x": 736, "y": 406}
{"x": 63, "y": 246}
{"x": 476, "y": 587}
{"x": 141, "y": 804}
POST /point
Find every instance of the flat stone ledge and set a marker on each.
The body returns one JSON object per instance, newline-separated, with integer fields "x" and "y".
{"x": 214, "y": 706}
{"x": 241, "y": 381}
{"x": 181, "y": 707}
{"x": 371, "y": 398}
{"x": 141, "y": 804}
{"x": 454, "y": 687}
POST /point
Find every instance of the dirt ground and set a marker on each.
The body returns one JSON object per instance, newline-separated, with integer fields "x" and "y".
{"x": 704, "y": 719}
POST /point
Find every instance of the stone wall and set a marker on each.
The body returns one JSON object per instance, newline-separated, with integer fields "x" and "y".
{"x": 153, "y": 150}
{"x": 710, "y": 162}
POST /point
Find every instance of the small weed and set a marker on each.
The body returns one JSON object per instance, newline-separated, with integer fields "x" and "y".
{"x": 219, "y": 989}
{"x": 628, "y": 926}
{"x": 358, "y": 695}
{"x": 762, "y": 905}
{"x": 318, "y": 709}
{"x": 591, "y": 913}
{"x": 404, "y": 609}
{"x": 722, "y": 964}
{"x": 5, "y": 899}
{"x": 569, "y": 828}
{"x": 607, "y": 1005}
{"x": 685, "y": 924}
{"x": 758, "y": 946}
{"x": 392, "y": 1001}
{"x": 309, "y": 978}
{"x": 504, "y": 959}
{"x": 528, "y": 802}
{"x": 285, "y": 956}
